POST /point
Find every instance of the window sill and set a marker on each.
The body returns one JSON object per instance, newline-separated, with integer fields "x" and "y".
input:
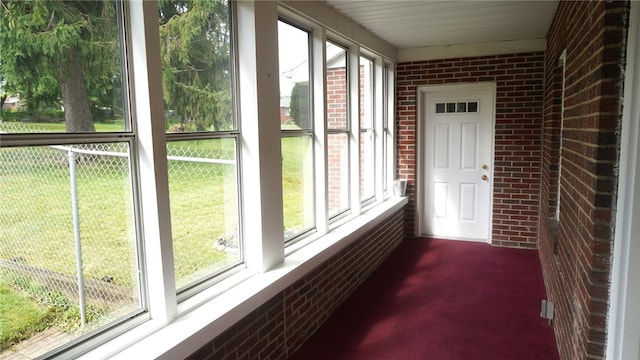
{"x": 206, "y": 315}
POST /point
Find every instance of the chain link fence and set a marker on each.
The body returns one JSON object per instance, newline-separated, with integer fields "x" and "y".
{"x": 67, "y": 225}
{"x": 204, "y": 207}
{"x": 66, "y": 228}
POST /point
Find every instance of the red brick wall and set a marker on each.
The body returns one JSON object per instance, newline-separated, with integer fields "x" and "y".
{"x": 284, "y": 117}
{"x": 337, "y": 146}
{"x": 575, "y": 251}
{"x": 284, "y": 323}
{"x": 337, "y": 98}
{"x": 338, "y": 119}
{"x": 519, "y": 98}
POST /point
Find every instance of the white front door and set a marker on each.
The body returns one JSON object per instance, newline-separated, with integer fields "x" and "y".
{"x": 457, "y": 137}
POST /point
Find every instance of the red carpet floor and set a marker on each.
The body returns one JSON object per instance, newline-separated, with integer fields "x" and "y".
{"x": 441, "y": 300}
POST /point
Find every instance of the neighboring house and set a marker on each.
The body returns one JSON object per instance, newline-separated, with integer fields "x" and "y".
{"x": 290, "y": 77}
{"x": 11, "y": 103}
{"x": 285, "y": 109}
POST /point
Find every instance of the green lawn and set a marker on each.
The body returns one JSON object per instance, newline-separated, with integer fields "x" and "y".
{"x": 20, "y": 317}
{"x": 115, "y": 126}
{"x": 297, "y": 165}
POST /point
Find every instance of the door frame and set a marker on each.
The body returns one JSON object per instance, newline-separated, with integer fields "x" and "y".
{"x": 421, "y": 93}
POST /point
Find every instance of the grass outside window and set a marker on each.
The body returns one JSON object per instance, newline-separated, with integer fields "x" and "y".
{"x": 20, "y": 316}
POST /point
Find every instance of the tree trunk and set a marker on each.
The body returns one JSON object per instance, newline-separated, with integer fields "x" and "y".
{"x": 77, "y": 112}
{"x": 28, "y": 99}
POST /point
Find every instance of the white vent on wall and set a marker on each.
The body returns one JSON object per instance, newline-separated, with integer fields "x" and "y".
{"x": 546, "y": 310}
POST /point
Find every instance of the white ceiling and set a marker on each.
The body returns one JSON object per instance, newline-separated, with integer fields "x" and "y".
{"x": 411, "y": 24}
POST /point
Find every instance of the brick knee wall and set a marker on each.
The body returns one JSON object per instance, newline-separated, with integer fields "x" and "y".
{"x": 281, "y": 325}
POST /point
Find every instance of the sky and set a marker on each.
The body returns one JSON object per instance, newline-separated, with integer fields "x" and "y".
{"x": 293, "y": 50}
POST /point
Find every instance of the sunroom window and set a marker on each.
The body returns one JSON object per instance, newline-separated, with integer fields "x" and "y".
{"x": 202, "y": 138}
{"x": 387, "y": 128}
{"x": 296, "y": 130}
{"x": 127, "y": 179}
{"x": 338, "y": 127}
{"x": 69, "y": 239}
{"x": 367, "y": 130}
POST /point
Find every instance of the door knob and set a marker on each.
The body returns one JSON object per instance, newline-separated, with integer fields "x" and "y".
{"x": 485, "y": 177}
{"x": 485, "y": 167}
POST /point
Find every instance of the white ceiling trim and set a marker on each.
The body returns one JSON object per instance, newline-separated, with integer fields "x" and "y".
{"x": 470, "y": 50}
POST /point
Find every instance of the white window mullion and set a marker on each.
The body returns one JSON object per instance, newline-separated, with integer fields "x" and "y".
{"x": 390, "y": 129}
{"x": 152, "y": 159}
{"x": 378, "y": 126}
{"x": 354, "y": 120}
{"x": 260, "y": 128}
{"x": 319, "y": 77}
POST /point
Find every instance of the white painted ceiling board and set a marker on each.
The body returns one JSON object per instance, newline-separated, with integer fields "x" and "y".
{"x": 410, "y": 24}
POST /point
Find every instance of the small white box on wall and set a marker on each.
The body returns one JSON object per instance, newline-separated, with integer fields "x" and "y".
{"x": 399, "y": 187}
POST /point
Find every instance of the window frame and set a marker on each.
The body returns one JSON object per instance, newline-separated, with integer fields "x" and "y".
{"x": 388, "y": 129}
{"x": 309, "y": 132}
{"x": 197, "y": 286}
{"x": 130, "y": 136}
{"x": 374, "y": 131}
{"x": 348, "y": 130}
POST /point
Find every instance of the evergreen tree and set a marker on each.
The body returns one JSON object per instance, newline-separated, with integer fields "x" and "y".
{"x": 59, "y": 49}
{"x": 68, "y": 51}
{"x": 299, "y": 107}
{"x": 196, "y": 63}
